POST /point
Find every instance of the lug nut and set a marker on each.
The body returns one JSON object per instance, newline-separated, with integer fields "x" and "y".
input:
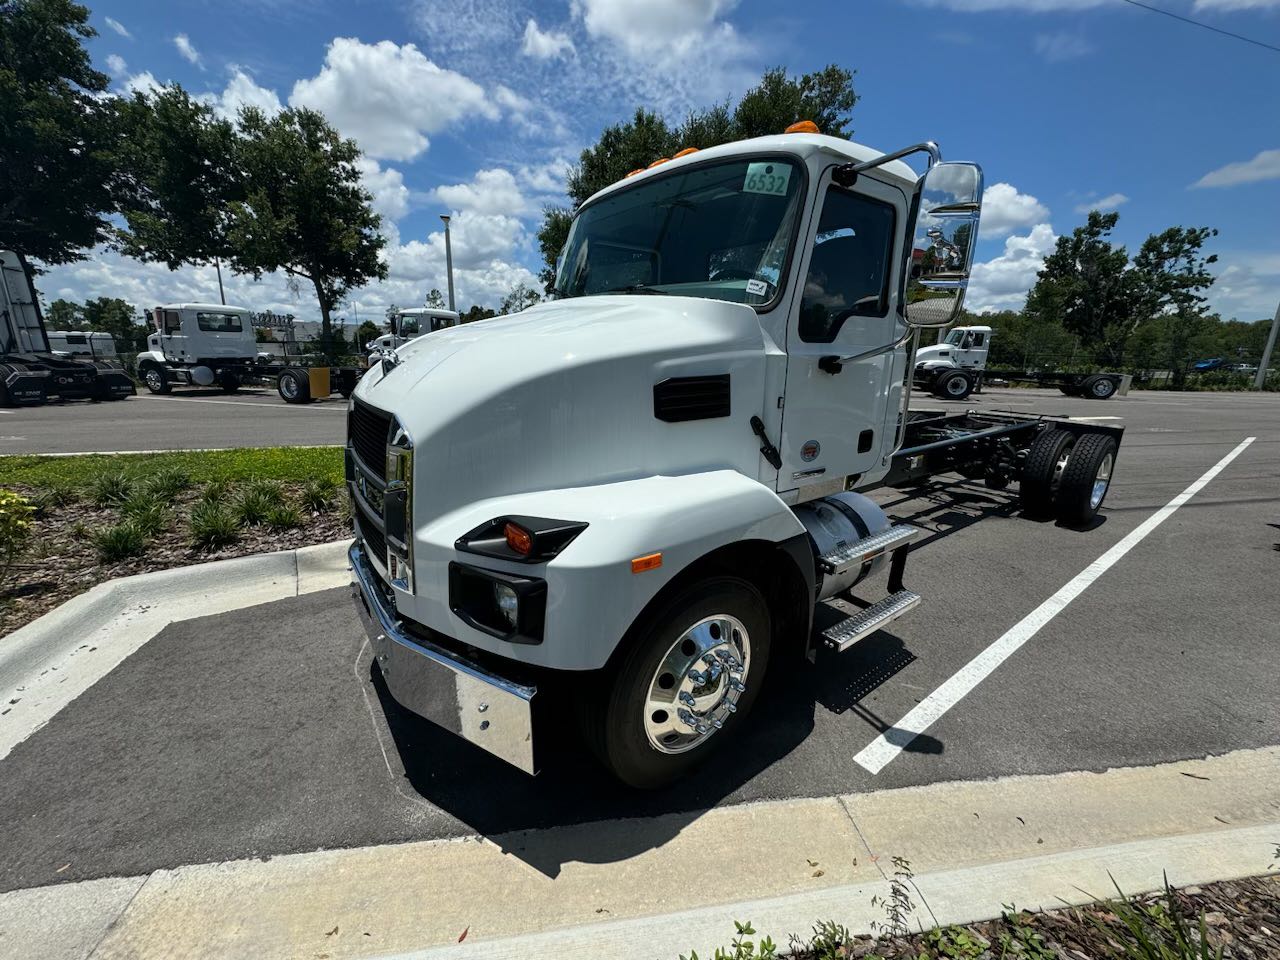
{"x": 717, "y": 722}
{"x": 687, "y": 698}
{"x": 737, "y": 686}
{"x": 702, "y": 729}
{"x": 698, "y": 677}
{"x": 685, "y": 717}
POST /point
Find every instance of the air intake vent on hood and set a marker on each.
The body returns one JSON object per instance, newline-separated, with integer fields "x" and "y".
{"x": 691, "y": 398}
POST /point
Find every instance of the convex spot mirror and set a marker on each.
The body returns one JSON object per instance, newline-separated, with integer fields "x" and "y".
{"x": 945, "y": 235}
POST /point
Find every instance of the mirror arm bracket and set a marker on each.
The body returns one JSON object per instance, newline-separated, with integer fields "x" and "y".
{"x": 846, "y": 175}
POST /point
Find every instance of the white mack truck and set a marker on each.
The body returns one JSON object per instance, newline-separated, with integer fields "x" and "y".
{"x": 408, "y": 325}
{"x": 199, "y": 344}
{"x": 631, "y": 498}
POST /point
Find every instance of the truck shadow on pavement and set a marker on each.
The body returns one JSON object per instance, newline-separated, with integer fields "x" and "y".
{"x": 574, "y": 811}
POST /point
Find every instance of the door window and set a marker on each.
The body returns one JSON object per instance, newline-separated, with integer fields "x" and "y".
{"x": 172, "y": 322}
{"x": 849, "y": 268}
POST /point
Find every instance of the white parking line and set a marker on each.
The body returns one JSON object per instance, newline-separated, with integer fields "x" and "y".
{"x": 877, "y": 754}
{"x": 248, "y": 403}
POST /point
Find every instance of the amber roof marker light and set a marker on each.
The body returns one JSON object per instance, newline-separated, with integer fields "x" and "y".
{"x": 803, "y": 126}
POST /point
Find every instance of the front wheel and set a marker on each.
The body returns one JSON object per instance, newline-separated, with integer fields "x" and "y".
{"x": 1099, "y": 388}
{"x": 685, "y": 685}
{"x": 156, "y": 379}
{"x": 954, "y": 386}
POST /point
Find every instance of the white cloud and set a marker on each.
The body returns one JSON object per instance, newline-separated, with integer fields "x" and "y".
{"x": 547, "y": 178}
{"x": 1219, "y": 6}
{"x": 1109, "y": 202}
{"x": 489, "y": 192}
{"x": 1265, "y": 166}
{"x": 389, "y": 97}
{"x": 1024, "y": 6}
{"x": 142, "y": 82}
{"x": 656, "y": 27}
{"x": 118, "y": 27}
{"x": 242, "y": 91}
{"x": 1002, "y": 283}
{"x": 188, "y": 50}
{"x": 1005, "y": 210}
{"x": 544, "y": 44}
{"x": 390, "y": 195}
{"x": 1248, "y": 285}
{"x": 116, "y": 65}
{"x": 1057, "y": 47}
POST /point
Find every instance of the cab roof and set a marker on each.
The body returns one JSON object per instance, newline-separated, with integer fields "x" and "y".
{"x": 427, "y": 312}
{"x": 212, "y": 307}
{"x": 800, "y": 145}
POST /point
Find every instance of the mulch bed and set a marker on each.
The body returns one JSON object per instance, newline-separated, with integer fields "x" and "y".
{"x": 62, "y": 562}
{"x": 1242, "y": 917}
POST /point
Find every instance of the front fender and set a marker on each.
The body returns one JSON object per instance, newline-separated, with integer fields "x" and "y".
{"x": 592, "y": 595}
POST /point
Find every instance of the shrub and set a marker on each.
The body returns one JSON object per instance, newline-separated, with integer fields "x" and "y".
{"x": 109, "y": 488}
{"x": 252, "y": 507}
{"x": 269, "y": 490}
{"x": 212, "y": 526}
{"x": 284, "y": 516}
{"x": 47, "y": 500}
{"x": 318, "y": 495}
{"x": 119, "y": 542}
{"x": 15, "y": 524}
{"x": 167, "y": 483}
{"x": 149, "y": 516}
{"x": 215, "y": 491}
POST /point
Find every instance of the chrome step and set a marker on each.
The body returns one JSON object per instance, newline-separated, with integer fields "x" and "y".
{"x": 857, "y": 553}
{"x": 866, "y": 622}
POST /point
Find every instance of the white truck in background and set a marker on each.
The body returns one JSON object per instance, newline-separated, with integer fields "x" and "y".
{"x": 628, "y": 501}
{"x": 957, "y": 367}
{"x": 409, "y": 324}
{"x": 83, "y": 343}
{"x": 199, "y": 344}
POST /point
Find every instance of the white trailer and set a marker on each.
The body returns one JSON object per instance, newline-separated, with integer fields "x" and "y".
{"x": 628, "y": 500}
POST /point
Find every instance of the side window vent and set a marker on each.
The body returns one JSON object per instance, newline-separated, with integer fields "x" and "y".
{"x": 691, "y": 398}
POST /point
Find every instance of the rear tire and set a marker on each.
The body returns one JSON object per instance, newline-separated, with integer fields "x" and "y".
{"x": 1041, "y": 471}
{"x": 633, "y": 724}
{"x": 1086, "y": 479}
{"x": 953, "y": 386}
{"x": 230, "y": 383}
{"x": 1098, "y": 388}
{"x": 156, "y": 380}
{"x": 293, "y": 387}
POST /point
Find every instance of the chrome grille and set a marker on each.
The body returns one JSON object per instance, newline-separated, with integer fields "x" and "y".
{"x": 369, "y": 429}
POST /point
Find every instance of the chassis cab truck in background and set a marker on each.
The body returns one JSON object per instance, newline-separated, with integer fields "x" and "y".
{"x": 198, "y": 344}
{"x": 409, "y": 324}
{"x": 628, "y": 500}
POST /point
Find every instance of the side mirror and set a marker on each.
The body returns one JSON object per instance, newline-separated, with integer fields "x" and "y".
{"x": 944, "y": 237}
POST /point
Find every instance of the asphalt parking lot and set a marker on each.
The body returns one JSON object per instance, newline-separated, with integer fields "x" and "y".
{"x": 265, "y": 731}
{"x": 186, "y": 419}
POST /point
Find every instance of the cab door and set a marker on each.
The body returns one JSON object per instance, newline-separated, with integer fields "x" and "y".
{"x": 173, "y": 342}
{"x": 831, "y": 422}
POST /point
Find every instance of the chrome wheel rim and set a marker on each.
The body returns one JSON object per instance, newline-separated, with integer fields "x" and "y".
{"x": 1102, "y": 388}
{"x": 955, "y": 386}
{"x": 697, "y": 684}
{"x": 288, "y": 387}
{"x": 1101, "y": 480}
{"x": 153, "y": 380}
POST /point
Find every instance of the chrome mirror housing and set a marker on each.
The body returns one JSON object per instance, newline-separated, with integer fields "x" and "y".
{"x": 944, "y": 238}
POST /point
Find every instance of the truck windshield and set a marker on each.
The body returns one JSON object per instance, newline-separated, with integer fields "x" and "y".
{"x": 721, "y": 231}
{"x": 219, "y": 322}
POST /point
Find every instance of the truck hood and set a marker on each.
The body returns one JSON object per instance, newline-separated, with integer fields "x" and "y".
{"x": 936, "y": 351}
{"x": 562, "y": 395}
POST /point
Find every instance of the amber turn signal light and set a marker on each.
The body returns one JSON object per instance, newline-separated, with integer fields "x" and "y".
{"x": 518, "y": 538}
{"x": 651, "y": 561}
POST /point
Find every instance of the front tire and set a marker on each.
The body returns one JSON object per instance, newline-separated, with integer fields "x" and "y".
{"x": 954, "y": 386}
{"x": 685, "y": 684}
{"x": 1099, "y": 388}
{"x": 156, "y": 380}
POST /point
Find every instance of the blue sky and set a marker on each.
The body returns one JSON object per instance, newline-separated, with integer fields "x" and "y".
{"x": 475, "y": 108}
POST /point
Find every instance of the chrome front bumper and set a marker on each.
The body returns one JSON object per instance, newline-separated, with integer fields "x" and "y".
{"x": 493, "y": 713}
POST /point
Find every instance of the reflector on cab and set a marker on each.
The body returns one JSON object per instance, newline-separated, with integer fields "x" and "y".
{"x": 803, "y": 126}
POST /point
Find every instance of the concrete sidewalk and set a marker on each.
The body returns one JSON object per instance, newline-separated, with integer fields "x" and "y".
{"x": 650, "y": 889}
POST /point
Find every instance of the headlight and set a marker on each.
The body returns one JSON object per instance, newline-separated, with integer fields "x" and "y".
{"x": 502, "y": 605}
{"x": 508, "y": 604}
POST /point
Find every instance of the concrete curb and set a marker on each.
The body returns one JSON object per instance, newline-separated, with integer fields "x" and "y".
{"x": 51, "y": 661}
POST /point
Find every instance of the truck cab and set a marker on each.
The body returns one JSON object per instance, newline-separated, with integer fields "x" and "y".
{"x": 199, "y": 344}
{"x": 630, "y": 498}
{"x": 408, "y": 325}
{"x": 962, "y": 349}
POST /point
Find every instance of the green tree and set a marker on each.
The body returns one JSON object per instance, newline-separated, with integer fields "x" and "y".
{"x": 368, "y": 330}
{"x": 435, "y": 299}
{"x": 826, "y": 97}
{"x": 58, "y": 134}
{"x": 183, "y": 176}
{"x": 1175, "y": 273}
{"x": 116, "y": 317}
{"x": 304, "y": 210}
{"x": 476, "y": 312}
{"x": 1086, "y": 286}
{"x": 64, "y": 315}
{"x": 520, "y": 297}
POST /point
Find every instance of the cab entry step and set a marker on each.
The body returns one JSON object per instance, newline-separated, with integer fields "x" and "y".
{"x": 866, "y": 622}
{"x": 855, "y": 554}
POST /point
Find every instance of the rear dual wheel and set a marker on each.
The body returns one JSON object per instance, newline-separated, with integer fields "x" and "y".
{"x": 1067, "y": 476}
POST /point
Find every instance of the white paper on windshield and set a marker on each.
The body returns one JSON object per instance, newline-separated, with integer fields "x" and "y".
{"x": 769, "y": 177}
{"x": 757, "y": 288}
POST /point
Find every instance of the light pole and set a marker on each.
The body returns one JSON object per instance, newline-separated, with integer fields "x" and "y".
{"x": 448, "y": 260}
{"x": 1261, "y": 380}
{"x": 217, "y": 265}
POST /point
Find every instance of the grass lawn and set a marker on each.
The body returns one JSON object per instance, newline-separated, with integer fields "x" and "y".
{"x": 286, "y": 464}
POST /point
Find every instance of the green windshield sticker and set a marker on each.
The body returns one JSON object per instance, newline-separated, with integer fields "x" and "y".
{"x": 770, "y": 177}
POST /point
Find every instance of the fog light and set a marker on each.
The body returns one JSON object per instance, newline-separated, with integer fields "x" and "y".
{"x": 508, "y": 604}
